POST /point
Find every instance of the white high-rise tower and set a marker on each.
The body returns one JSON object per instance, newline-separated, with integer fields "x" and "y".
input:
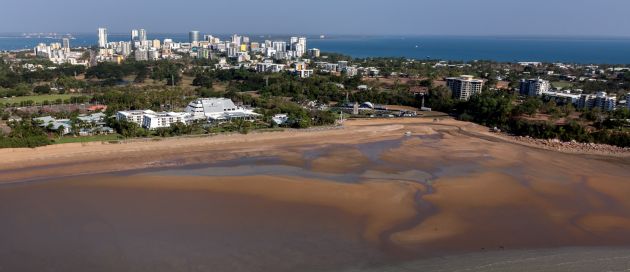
{"x": 193, "y": 36}
{"x": 102, "y": 37}
{"x": 142, "y": 35}
{"x": 134, "y": 34}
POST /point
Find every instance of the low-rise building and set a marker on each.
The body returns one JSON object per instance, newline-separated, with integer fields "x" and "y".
{"x": 84, "y": 125}
{"x": 267, "y": 67}
{"x": 218, "y": 110}
{"x": 163, "y": 119}
{"x": 280, "y": 119}
{"x": 600, "y": 100}
{"x": 561, "y": 98}
{"x": 133, "y": 116}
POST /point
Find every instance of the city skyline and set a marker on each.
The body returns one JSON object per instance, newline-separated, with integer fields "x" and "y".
{"x": 397, "y": 17}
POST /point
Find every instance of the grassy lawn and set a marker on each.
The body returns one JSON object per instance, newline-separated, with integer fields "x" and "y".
{"x": 37, "y": 98}
{"x": 85, "y": 139}
{"x": 562, "y": 84}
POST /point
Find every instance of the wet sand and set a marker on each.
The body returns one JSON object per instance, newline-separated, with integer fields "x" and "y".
{"x": 360, "y": 197}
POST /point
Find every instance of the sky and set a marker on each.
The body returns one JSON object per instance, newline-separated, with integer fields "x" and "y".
{"x": 330, "y": 17}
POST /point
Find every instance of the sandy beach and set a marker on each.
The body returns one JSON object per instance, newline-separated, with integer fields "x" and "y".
{"x": 77, "y": 158}
{"x": 382, "y": 196}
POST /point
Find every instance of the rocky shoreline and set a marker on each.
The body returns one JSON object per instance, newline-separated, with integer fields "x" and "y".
{"x": 573, "y": 146}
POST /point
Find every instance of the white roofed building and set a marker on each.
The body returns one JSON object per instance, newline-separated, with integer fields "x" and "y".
{"x": 163, "y": 119}
{"x": 133, "y": 116}
{"x": 218, "y": 110}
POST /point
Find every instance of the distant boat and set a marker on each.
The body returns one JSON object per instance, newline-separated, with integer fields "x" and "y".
{"x": 322, "y": 36}
{"x": 417, "y": 46}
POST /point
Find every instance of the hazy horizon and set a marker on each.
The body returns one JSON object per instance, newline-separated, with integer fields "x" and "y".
{"x": 605, "y": 18}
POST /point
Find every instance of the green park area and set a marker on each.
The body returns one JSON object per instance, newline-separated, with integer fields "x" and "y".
{"x": 37, "y": 98}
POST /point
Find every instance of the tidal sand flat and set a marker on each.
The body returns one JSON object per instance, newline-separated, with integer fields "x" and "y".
{"x": 365, "y": 197}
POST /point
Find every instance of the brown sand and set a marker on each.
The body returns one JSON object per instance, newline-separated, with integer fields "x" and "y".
{"x": 486, "y": 192}
{"x": 382, "y": 204}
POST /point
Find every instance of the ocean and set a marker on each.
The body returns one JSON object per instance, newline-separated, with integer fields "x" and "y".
{"x": 584, "y": 50}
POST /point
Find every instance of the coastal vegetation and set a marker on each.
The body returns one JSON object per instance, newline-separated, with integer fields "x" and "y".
{"x": 29, "y": 85}
{"x": 499, "y": 109}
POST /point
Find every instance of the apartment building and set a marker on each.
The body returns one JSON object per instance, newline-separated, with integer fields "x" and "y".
{"x": 464, "y": 87}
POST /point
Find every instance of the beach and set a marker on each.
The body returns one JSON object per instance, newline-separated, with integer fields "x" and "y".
{"x": 371, "y": 194}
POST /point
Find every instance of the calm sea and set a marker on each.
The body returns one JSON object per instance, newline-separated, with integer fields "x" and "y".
{"x": 614, "y": 50}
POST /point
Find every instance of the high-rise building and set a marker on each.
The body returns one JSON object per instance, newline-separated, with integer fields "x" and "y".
{"x": 142, "y": 35}
{"x": 125, "y": 48}
{"x": 292, "y": 43}
{"x": 302, "y": 41}
{"x": 280, "y": 46}
{"x": 314, "y": 53}
{"x": 156, "y": 44}
{"x": 134, "y": 34}
{"x": 66, "y": 44}
{"x": 102, "y": 37}
{"x": 193, "y": 36}
{"x": 153, "y": 54}
{"x": 464, "y": 87}
{"x": 236, "y": 39}
{"x": 534, "y": 87}
{"x": 142, "y": 54}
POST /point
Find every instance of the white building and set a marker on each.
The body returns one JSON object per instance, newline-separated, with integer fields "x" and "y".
{"x": 134, "y": 34}
{"x": 351, "y": 71}
{"x": 133, "y": 116}
{"x": 464, "y": 87}
{"x": 562, "y": 98}
{"x": 163, "y": 119}
{"x": 267, "y": 67}
{"x": 142, "y": 35}
{"x": 142, "y": 54}
{"x": 600, "y": 100}
{"x": 534, "y": 87}
{"x": 280, "y": 46}
{"x": 66, "y": 45}
{"x": 218, "y": 110}
{"x": 314, "y": 53}
{"x": 342, "y": 65}
{"x": 304, "y": 73}
{"x": 302, "y": 42}
{"x": 102, "y": 37}
{"x": 153, "y": 54}
{"x": 280, "y": 119}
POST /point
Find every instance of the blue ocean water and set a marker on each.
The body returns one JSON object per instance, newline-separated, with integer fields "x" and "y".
{"x": 609, "y": 50}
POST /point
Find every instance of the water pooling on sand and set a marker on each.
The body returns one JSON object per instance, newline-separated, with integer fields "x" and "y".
{"x": 378, "y": 205}
{"x": 265, "y": 165}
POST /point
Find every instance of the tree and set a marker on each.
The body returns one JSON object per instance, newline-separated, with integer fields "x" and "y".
{"x": 491, "y": 108}
{"x": 440, "y": 99}
{"x": 203, "y": 79}
{"x": 42, "y": 89}
{"x": 25, "y": 133}
{"x": 530, "y": 106}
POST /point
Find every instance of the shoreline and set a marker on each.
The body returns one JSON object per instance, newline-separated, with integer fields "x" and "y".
{"x": 136, "y": 154}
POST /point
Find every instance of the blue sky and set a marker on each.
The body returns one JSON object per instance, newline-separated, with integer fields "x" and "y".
{"x": 364, "y": 17}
